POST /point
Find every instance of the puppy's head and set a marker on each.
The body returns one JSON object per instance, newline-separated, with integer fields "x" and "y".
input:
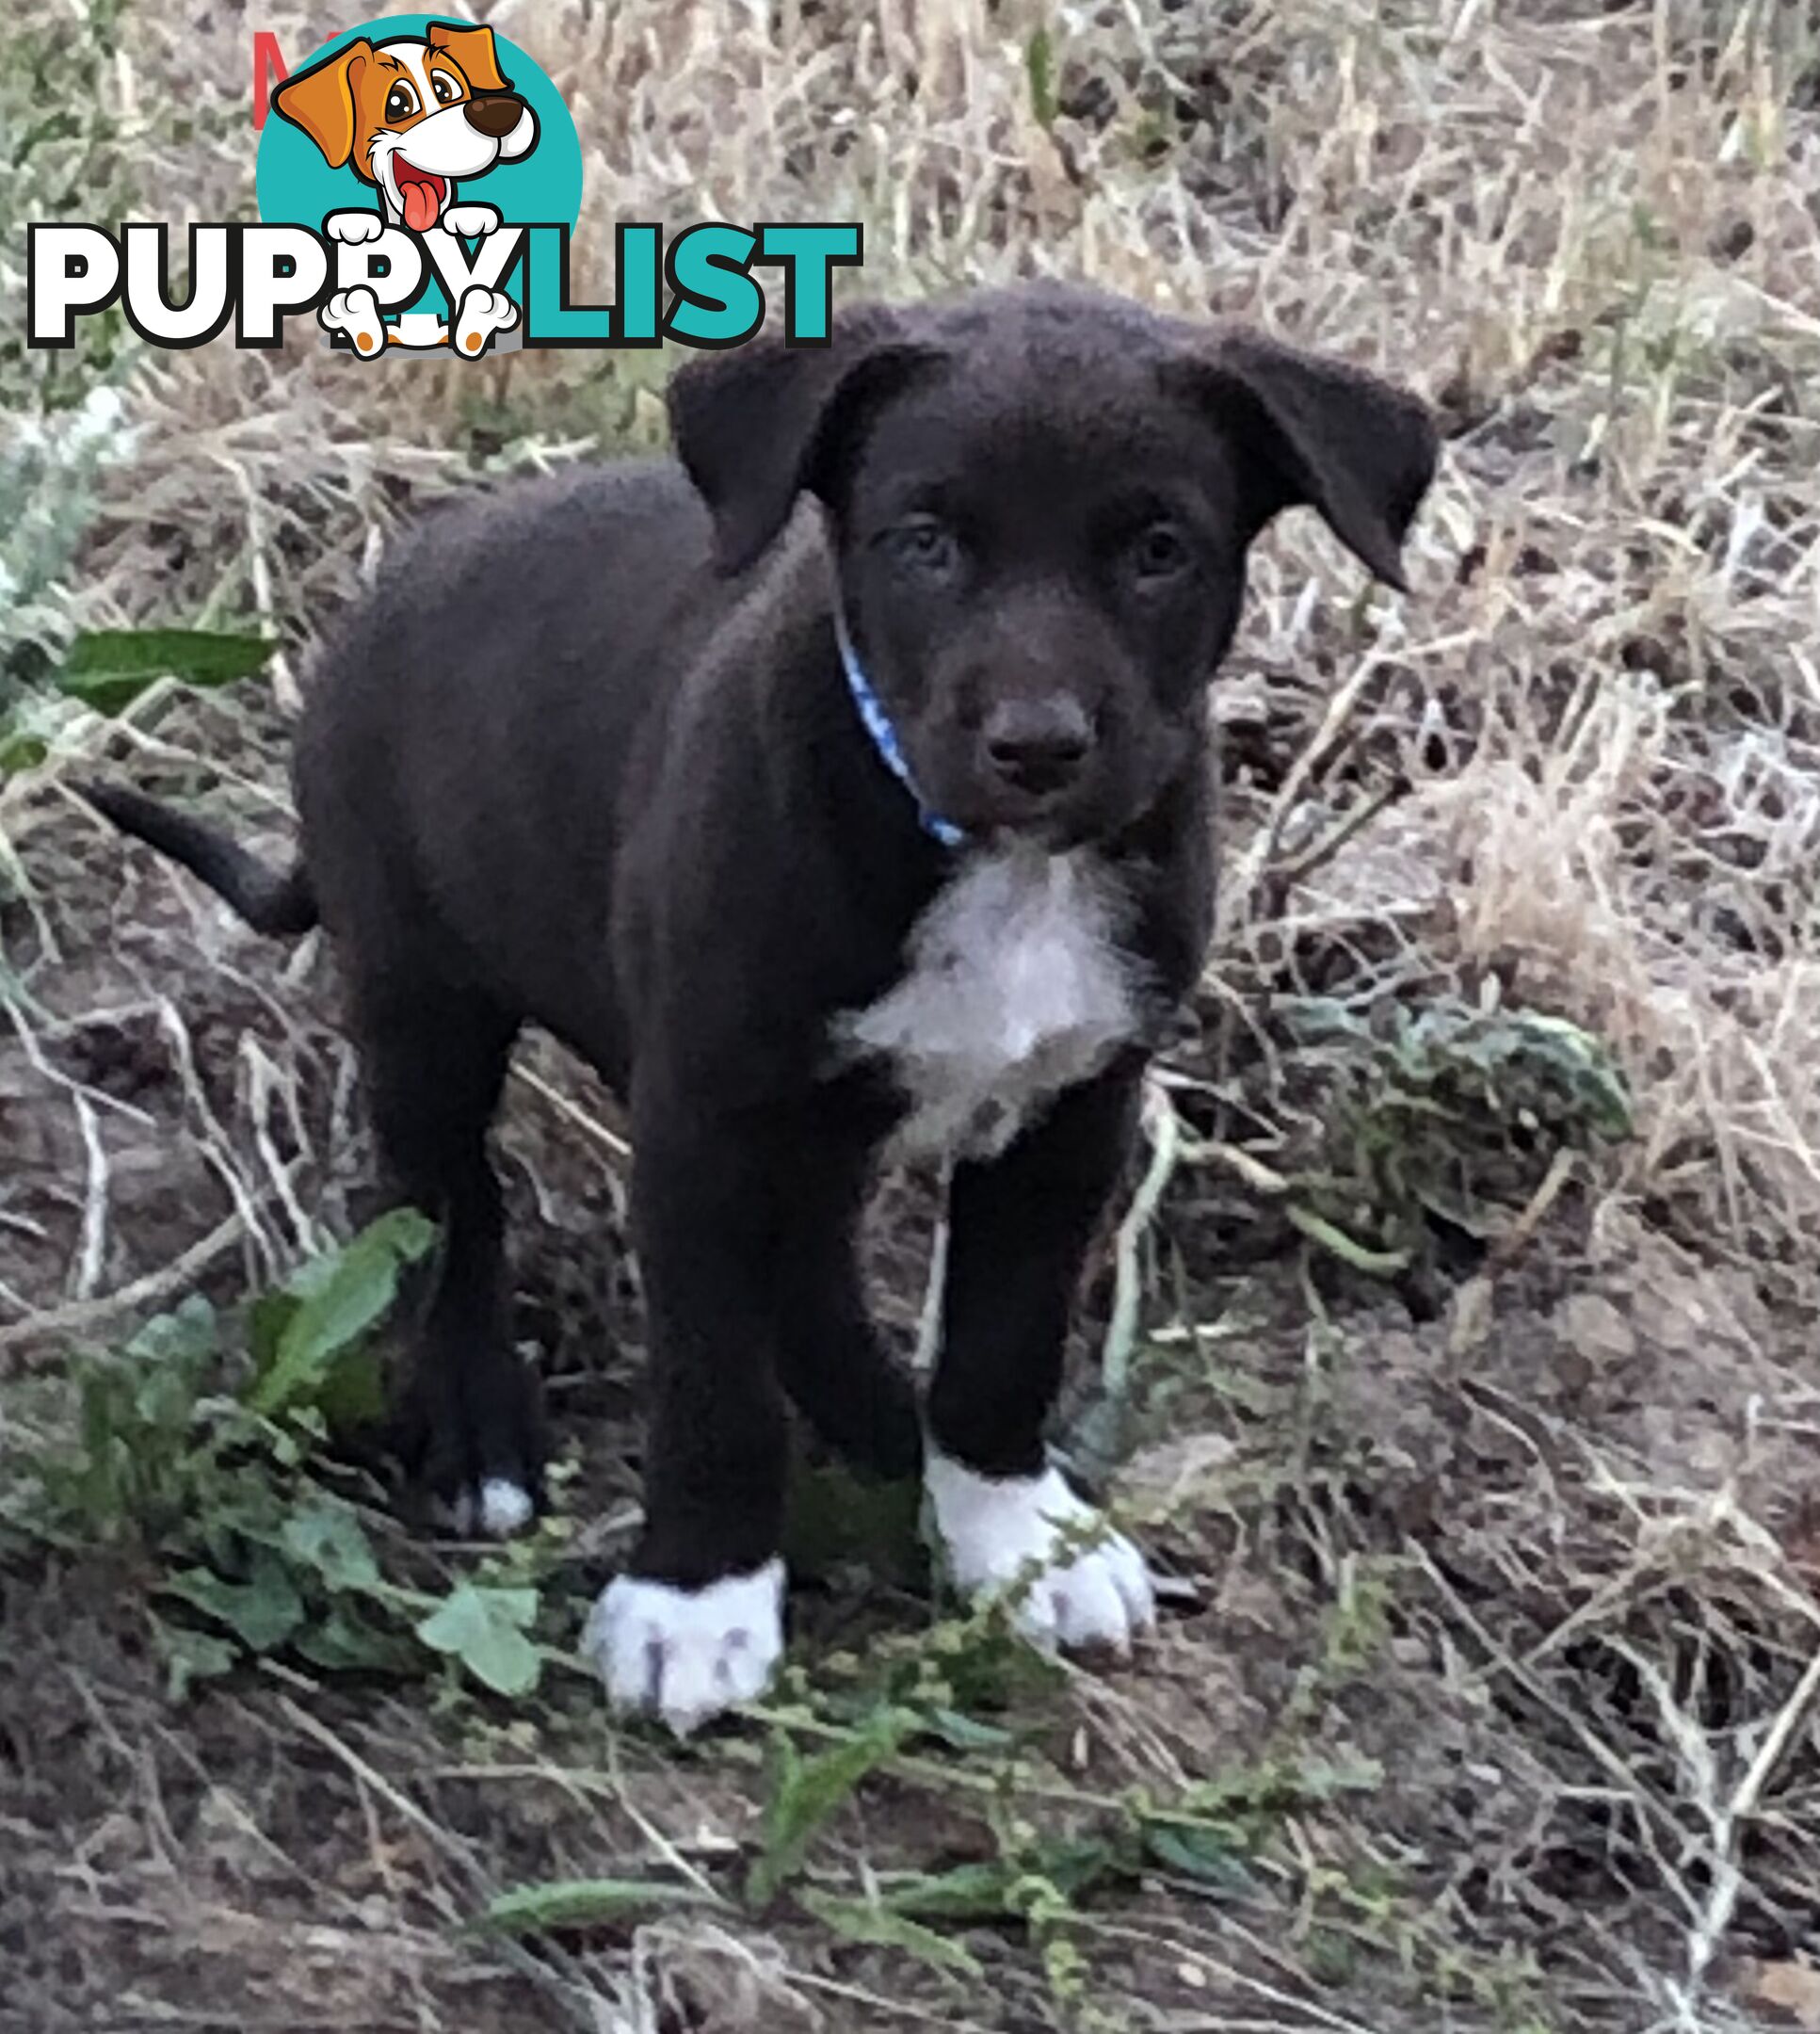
{"x": 413, "y": 114}
{"x": 1039, "y": 504}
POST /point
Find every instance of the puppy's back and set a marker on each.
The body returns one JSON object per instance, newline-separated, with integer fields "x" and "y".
{"x": 497, "y": 675}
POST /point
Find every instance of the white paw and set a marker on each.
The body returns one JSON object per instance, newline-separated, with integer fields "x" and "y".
{"x": 482, "y": 313}
{"x": 688, "y": 1655}
{"x": 996, "y": 1531}
{"x": 468, "y": 220}
{"x": 497, "y": 1511}
{"x": 353, "y": 227}
{"x": 356, "y": 312}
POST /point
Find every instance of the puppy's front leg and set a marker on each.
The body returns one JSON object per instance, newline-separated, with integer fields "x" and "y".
{"x": 697, "y": 1624}
{"x": 1019, "y": 1230}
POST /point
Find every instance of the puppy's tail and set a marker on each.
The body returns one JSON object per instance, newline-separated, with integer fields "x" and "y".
{"x": 278, "y": 902}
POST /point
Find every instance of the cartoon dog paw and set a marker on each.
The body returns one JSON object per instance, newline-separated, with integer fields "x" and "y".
{"x": 468, "y": 220}
{"x": 353, "y": 227}
{"x": 355, "y": 312}
{"x": 481, "y": 313}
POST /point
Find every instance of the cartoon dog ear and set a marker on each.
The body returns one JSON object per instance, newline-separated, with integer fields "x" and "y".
{"x": 474, "y": 49}
{"x": 321, "y": 100}
{"x": 760, "y": 423}
{"x": 1318, "y": 432}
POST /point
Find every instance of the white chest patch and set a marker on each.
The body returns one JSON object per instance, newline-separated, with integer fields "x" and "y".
{"x": 1016, "y": 986}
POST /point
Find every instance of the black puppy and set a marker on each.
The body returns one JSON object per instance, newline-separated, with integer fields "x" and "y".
{"x": 885, "y": 824}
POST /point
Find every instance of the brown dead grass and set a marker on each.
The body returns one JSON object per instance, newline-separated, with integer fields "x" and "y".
{"x": 1533, "y": 1538}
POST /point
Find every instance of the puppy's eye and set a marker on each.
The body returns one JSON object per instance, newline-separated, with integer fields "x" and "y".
{"x": 447, "y": 91}
{"x": 400, "y": 103}
{"x": 924, "y": 544}
{"x": 1159, "y": 551}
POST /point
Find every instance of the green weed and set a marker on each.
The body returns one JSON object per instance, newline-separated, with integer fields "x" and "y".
{"x": 211, "y": 1463}
{"x": 1442, "y": 1110}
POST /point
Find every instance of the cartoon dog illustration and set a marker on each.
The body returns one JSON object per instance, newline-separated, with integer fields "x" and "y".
{"x": 410, "y": 116}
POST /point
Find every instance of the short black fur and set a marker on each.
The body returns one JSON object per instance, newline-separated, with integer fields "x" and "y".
{"x": 586, "y": 758}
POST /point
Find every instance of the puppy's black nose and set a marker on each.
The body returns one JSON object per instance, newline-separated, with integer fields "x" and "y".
{"x": 1037, "y": 744}
{"x": 494, "y": 115}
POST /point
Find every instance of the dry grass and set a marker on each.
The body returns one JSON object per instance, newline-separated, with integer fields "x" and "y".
{"x": 1485, "y": 1453}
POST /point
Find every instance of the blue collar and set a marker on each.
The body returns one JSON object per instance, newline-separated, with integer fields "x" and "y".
{"x": 877, "y": 723}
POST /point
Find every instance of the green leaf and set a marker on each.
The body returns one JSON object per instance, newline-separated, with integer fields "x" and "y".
{"x": 967, "y": 1734}
{"x": 347, "y": 1642}
{"x": 806, "y": 1792}
{"x": 62, "y": 125}
{"x": 986, "y": 1892}
{"x": 484, "y": 1629}
{"x": 262, "y": 1612}
{"x": 266, "y": 1320}
{"x": 352, "y": 1393}
{"x": 108, "y": 669}
{"x": 185, "y": 1334}
{"x": 18, "y": 749}
{"x": 191, "y": 1656}
{"x": 964, "y": 1893}
{"x": 579, "y": 1903}
{"x": 161, "y": 1377}
{"x": 1040, "y": 63}
{"x": 857, "y": 1921}
{"x": 328, "y": 1538}
{"x": 1209, "y": 1855}
{"x": 343, "y": 1296}
{"x": 987, "y": 1664}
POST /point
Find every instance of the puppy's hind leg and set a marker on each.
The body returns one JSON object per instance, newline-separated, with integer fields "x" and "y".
{"x": 471, "y": 1430}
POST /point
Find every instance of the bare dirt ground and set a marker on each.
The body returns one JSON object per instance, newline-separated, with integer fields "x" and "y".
{"x": 1456, "y": 1349}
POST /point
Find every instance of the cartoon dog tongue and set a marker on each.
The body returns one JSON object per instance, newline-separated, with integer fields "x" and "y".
{"x": 420, "y": 198}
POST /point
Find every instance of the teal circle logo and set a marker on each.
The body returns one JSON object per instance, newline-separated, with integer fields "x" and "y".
{"x": 430, "y": 127}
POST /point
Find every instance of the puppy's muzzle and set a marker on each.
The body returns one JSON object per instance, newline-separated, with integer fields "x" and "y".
{"x": 496, "y": 115}
{"x": 1038, "y": 747}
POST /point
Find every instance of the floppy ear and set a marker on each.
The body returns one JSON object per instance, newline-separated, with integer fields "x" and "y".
{"x": 760, "y": 423}
{"x": 321, "y": 100}
{"x": 1320, "y": 432}
{"x": 474, "y": 49}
